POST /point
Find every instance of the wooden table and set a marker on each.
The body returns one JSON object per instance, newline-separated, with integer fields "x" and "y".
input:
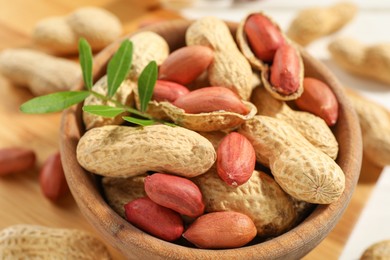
{"x": 21, "y": 200}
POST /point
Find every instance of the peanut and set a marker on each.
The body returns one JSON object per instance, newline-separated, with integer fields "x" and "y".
{"x": 106, "y": 151}
{"x": 370, "y": 61}
{"x": 263, "y": 36}
{"x": 236, "y": 159}
{"x": 16, "y": 159}
{"x": 207, "y": 122}
{"x": 119, "y": 191}
{"x": 229, "y": 68}
{"x": 176, "y": 193}
{"x": 157, "y": 220}
{"x": 285, "y": 72}
{"x": 147, "y": 46}
{"x": 261, "y": 198}
{"x": 210, "y": 99}
{"x": 225, "y": 229}
{"x": 168, "y": 91}
{"x": 378, "y": 250}
{"x": 313, "y": 128}
{"x": 124, "y": 95}
{"x": 39, "y": 242}
{"x": 41, "y": 73}
{"x": 313, "y": 23}
{"x": 302, "y": 170}
{"x": 319, "y": 99}
{"x": 374, "y": 122}
{"x": 185, "y": 64}
{"x": 52, "y": 178}
{"x": 60, "y": 35}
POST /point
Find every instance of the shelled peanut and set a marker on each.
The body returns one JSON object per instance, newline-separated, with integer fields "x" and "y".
{"x": 201, "y": 179}
{"x": 266, "y": 47}
{"x": 15, "y": 160}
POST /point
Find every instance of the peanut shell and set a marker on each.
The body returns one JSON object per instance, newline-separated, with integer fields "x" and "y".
{"x": 260, "y": 198}
{"x": 121, "y": 151}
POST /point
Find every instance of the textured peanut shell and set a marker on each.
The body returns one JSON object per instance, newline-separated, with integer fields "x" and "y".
{"x": 38, "y": 242}
{"x": 124, "y": 95}
{"x": 214, "y": 137}
{"x": 120, "y": 191}
{"x": 61, "y": 34}
{"x": 374, "y": 122}
{"x": 229, "y": 68}
{"x": 377, "y": 251}
{"x": 260, "y": 198}
{"x": 121, "y": 151}
{"x": 313, "y": 23}
{"x": 301, "y": 169}
{"x": 207, "y": 122}
{"x": 41, "y": 73}
{"x": 370, "y": 61}
{"x": 313, "y": 128}
{"x": 147, "y": 46}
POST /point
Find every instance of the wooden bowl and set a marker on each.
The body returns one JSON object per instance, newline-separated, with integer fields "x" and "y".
{"x": 136, "y": 244}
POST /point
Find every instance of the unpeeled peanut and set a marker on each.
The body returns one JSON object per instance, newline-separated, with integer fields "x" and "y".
{"x": 261, "y": 198}
{"x": 41, "y": 73}
{"x": 52, "y": 178}
{"x": 184, "y": 65}
{"x": 319, "y": 100}
{"x": 123, "y": 151}
{"x": 38, "y": 242}
{"x": 176, "y": 193}
{"x": 157, "y": 220}
{"x": 312, "y": 127}
{"x": 229, "y": 68}
{"x": 16, "y": 159}
{"x": 225, "y": 229}
{"x": 374, "y": 120}
{"x": 236, "y": 159}
{"x": 61, "y": 34}
{"x": 210, "y": 99}
{"x": 301, "y": 169}
{"x": 313, "y": 23}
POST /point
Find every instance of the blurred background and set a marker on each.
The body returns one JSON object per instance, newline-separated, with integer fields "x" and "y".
{"x": 364, "y": 222}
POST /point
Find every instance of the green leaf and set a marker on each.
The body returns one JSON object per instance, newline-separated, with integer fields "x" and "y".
{"x": 105, "y": 111}
{"x": 53, "y": 102}
{"x": 85, "y": 57}
{"x": 141, "y": 122}
{"x": 119, "y": 67}
{"x": 146, "y": 82}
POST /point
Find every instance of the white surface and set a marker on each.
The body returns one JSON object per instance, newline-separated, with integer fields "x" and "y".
{"x": 373, "y": 224}
{"x": 369, "y": 26}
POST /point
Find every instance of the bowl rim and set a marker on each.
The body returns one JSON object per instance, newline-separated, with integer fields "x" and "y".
{"x": 134, "y": 243}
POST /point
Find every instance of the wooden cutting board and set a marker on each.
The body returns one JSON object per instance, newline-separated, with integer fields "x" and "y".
{"x": 21, "y": 200}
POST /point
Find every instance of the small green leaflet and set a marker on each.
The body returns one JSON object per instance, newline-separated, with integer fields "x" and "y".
{"x": 85, "y": 57}
{"x": 146, "y": 82}
{"x": 105, "y": 111}
{"x": 53, "y": 102}
{"x": 141, "y": 122}
{"x": 119, "y": 67}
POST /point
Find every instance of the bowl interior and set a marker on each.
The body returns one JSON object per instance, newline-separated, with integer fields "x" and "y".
{"x": 136, "y": 244}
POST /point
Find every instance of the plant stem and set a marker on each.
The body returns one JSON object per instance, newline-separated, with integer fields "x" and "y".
{"x": 118, "y": 104}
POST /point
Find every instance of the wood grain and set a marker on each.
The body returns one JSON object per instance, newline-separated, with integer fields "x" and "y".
{"x": 21, "y": 200}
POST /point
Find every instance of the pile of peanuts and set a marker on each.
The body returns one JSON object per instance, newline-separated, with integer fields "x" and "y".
{"x": 241, "y": 163}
